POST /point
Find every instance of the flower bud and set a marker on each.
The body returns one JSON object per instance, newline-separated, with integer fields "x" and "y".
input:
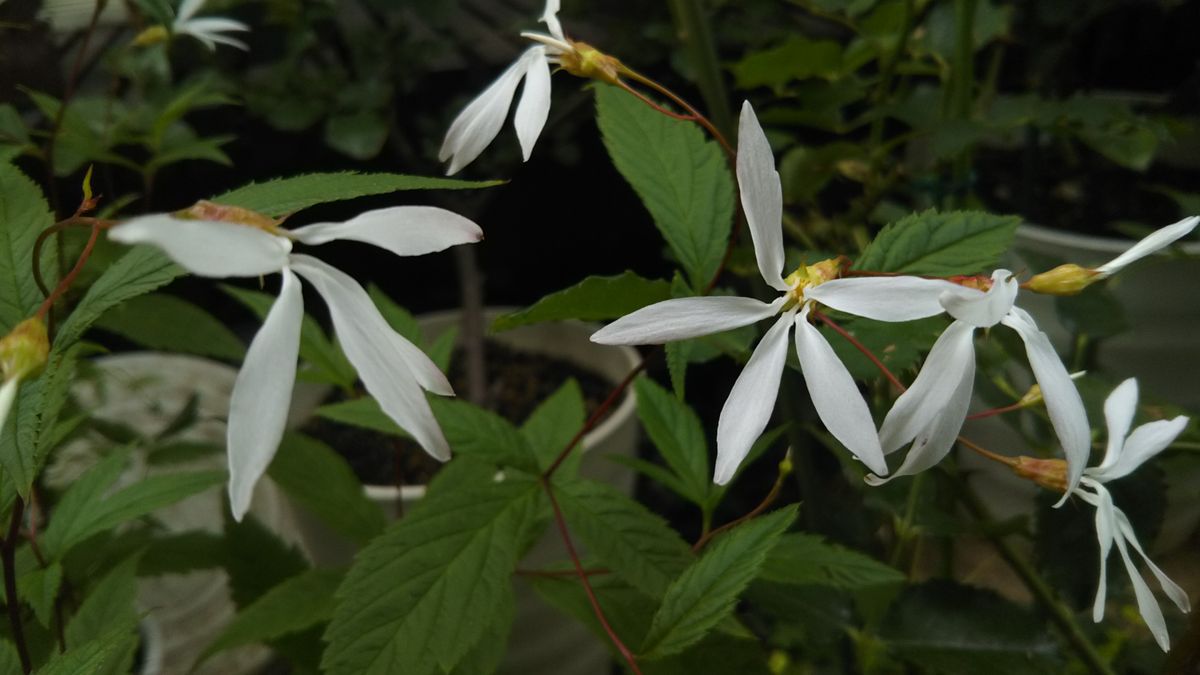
{"x": 150, "y": 36}
{"x": 24, "y": 351}
{"x": 1049, "y": 473}
{"x": 1067, "y": 279}
{"x": 206, "y": 210}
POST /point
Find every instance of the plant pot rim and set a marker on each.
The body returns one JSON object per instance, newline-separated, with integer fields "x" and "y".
{"x": 626, "y": 407}
{"x": 1089, "y": 242}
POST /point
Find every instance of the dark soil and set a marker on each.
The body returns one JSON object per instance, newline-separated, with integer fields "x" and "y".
{"x": 518, "y": 383}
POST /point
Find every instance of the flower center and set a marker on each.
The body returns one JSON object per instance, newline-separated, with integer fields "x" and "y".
{"x": 807, "y": 276}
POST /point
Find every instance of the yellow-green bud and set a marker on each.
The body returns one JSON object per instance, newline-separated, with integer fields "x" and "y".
{"x": 588, "y": 62}
{"x": 1049, "y": 473}
{"x": 1067, "y": 279}
{"x": 150, "y": 36}
{"x": 24, "y": 351}
{"x": 206, "y": 210}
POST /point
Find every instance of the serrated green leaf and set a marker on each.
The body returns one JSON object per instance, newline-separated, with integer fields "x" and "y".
{"x": 38, "y": 587}
{"x": 681, "y": 177}
{"x": 324, "y": 484}
{"x": 593, "y": 299}
{"x": 302, "y": 601}
{"x": 625, "y": 536}
{"x": 257, "y": 560}
{"x": 24, "y": 437}
{"x": 99, "y": 656}
{"x": 677, "y": 363}
{"x": 796, "y": 58}
{"x": 421, "y": 594}
{"x": 109, "y": 602}
{"x": 676, "y": 432}
{"x": 485, "y": 657}
{"x": 287, "y": 195}
{"x": 363, "y": 412}
{"x": 707, "y": 591}
{"x": 554, "y": 423}
{"x": 23, "y": 215}
{"x": 482, "y": 435}
{"x": 139, "y": 271}
{"x": 167, "y": 323}
{"x": 940, "y": 244}
{"x": 809, "y": 560}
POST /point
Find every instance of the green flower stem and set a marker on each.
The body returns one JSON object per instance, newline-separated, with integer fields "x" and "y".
{"x": 8, "y": 549}
{"x": 1060, "y": 615}
{"x": 693, "y": 28}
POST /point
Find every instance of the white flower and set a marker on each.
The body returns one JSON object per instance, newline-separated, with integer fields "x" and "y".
{"x": 1152, "y": 243}
{"x": 23, "y": 354}
{"x": 392, "y": 369}
{"x": 209, "y": 29}
{"x": 1126, "y": 452}
{"x": 477, "y": 125}
{"x": 8, "y": 394}
{"x": 752, "y": 400}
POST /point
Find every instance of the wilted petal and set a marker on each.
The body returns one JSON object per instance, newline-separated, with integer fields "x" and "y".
{"x": 534, "y": 106}
{"x": 1155, "y": 241}
{"x": 1145, "y": 442}
{"x": 835, "y": 396}
{"x": 1170, "y": 588}
{"x": 1063, "y": 403}
{"x": 950, "y": 362}
{"x": 262, "y": 394}
{"x": 883, "y": 298}
{"x": 550, "y": 18}
{"x": 403, "y": 230}
{"x": 684, "y": 318}
{"x": 752, "y": 400}
{"x": 762, "y": 197}
{"x": 389, "y": 366}
{"x": 980, "y": 309}
{"x": 208, "y": 248}
{"x": 8, "y": 394}
{"x": 480, "y": 121}
{"x": 1119, "y": 409}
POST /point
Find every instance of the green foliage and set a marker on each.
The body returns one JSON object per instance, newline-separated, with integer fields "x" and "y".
{"x": 676, "y": 432}
{"x": 681, "y": 178}
{"x": 102, "y": 655}
{"x": 483, "y": 435}
{"x": 302, "y": 601}
{"x": 25, "y": 443}
{"x": 940, "y": 244}
{"x": 39, "y": 586}
{"x": 320, "y": 481}
{"x": 257, "y": 560}
{"x": 282, "y": 196}
{"x": 806, "y": 559}
{"x": 900, "y": 346}
{"x": 23, "y": 215}
{"x": 554, "y": 423}
{"x": 167, "y": 323}
{"x": 706, "y": 592}
{"x": 421, "y": 595}
{"x": 363, "y": 412}
{"x": 593, "y": 299}
{"x": 797, "y": 58}
{"x": 110, "y": 602}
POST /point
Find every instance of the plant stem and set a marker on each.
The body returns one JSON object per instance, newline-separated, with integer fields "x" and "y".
{"x": 694, "y": 30}
{"x": 66, "y": 281}
{"x": 8, "y": 549}
{"x": 785, "y": 469}
{"x": 692, "y": 114}
{"x": 862, "y": 348}
{"x": 904, "y": 530}
{"x": 1061, "y": 617}
{"x": 594, "y": 419}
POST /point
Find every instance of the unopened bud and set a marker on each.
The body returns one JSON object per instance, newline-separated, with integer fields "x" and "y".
{"x": 1049, "y": 473}
{"x": 25, "y": 350}
{"x": 206, "y": 210}
{"x": 1067, "y": 279}
{"x": 150, "y": 36}
{"x": 1034, "y": 395}
{"x": 588, "y": 62}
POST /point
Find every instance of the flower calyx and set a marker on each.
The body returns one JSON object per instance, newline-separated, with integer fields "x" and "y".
{"x": 1048, "y": 473}
{"x": 25, "y": 350}
{"x": 584, "y": 60}
{"x": 1067, "y": 279}
{"x": 206, "y": 210}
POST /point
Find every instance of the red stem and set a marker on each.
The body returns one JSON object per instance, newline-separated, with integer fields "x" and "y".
{"x": 996, "y": 411}
{"x": 70, "y": 278}
{"x": 595, "y": 418}
{"x": 862, "y": 348}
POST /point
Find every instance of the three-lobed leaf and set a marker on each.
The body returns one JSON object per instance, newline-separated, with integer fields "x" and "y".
{"x": 282, "y": 196}
{"x": 940, "y": 244}
{"x": 595, "y": 298}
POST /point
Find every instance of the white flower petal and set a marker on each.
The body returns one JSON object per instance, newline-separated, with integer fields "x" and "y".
{"x": 1063, "y": 403}
{"x": 480, "y": 121}
{"x": 550, "y": 18}
{"x": 208, "y": 248}
{"x": 762, "y": 197}
{"x": 1106, "y": 528}
{"x": 979, "y": 309}
{"x": 836, "y": 397}
{"x": 1146, "y": 602}
{"x": 1170, "y": 588}
{"x": 214, "y": 24}
{"x": 1154, "y": 242}
{"x": 262, "y": 394}
{"x": 8, "y": 394}
{"x": 1119, "y": 408}
{"x": 188, "y": 9}
{"x": 534, "y": 106}
{"x": 403, "y": 230}
{"x": 389, "y": 366}
{"x": 883, "y": 298}
{"x": 752, "y": 400}
{"x": 950, "y": 361}
{"x": 683, "y": 318}
{"x": 1145, "y": 442}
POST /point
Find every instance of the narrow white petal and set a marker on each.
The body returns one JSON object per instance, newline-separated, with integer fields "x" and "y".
{"x": 391, "y": 368}
{"x": 1170, "y": 588}
{"x": 752, "y": 400}
{"x": 1154, "y": 242}
{"x": 762, "y": 197}
{"x": 883, "y": 298}
{"x": 208, "y": 248}
{"x": 949, "y": 362}
{"x": 403, "y": 230}
{"x": 983, "y": 310}
{"x": 188, "y": 9}
{"x": 1119, "y": 408}
{"x": 1063, "y": 403}
{"x": 1145, "y": 442}
{"x": 480, "y": 121}
{"x": 684, "y": 318}
{"x": 262, "y": 393}
{"x": 1146, "y": 602}
{"x": 550, "y": 18}
{"x": 836, "y": 397}
{"x": 534, "y": 106}
{"x": 8, "y": 394}
{"x": 215, "y": 24}
{"x": 1106, "y": 529}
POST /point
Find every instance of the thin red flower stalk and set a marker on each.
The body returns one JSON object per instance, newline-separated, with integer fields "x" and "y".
{"x": 67, "y": 280}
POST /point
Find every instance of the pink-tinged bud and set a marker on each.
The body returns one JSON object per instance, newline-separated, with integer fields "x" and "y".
{"x": 1067, "y": 279}
{"x": 206, "y": 210}
{"x": 1049, "y": 473}
{"x": 25, "y": 350}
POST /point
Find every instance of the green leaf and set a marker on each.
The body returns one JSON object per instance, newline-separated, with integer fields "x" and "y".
{"x": 940, "y": 244}
{"x": 110, "y": 602}
{"x": 139, "y": 271}
{"x": 10, "y": 661}
{"x": 682, "y": 178}
{"x": 593, "y": 299}
{"x": 676, "y": 432}
{"x": 706, "y": 592}
{"x": 23, "y": 215}
{"x": 99, "y": 656}
{"x": 39, "y": 586}
{"x": 300, "y": 602}
{"x": 167, "y": 323}
{"x": 797, "y": 58}
{"x": 483, "y": 435}
{"x": 257, "y": 560}
{"x": 421, "y": 595}
{"x": 363, "y": 412}
{"x": 359, "y": 135}
{"x": 24, "y": 441}
{"x": 554, "y": 423}
{"x": 625, "y": 536}
{"x": 399, "y": 318}
{"x": 485, "y": 657}
{"x": 808, "y": 560}
{"x": 287, "y": 195}
{"x": 322, "y": 482}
